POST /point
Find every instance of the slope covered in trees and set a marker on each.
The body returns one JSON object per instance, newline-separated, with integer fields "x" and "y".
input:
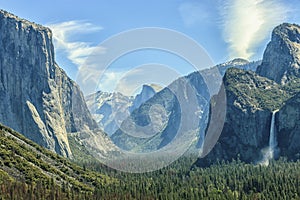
{"x": 27, "y": 168}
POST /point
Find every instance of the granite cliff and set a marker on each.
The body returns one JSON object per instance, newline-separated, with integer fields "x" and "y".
{"x": 37, "y": 98}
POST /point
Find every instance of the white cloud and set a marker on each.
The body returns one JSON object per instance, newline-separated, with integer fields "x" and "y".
{"x": 245, "y": 24}
{"x": 77, "y": 51}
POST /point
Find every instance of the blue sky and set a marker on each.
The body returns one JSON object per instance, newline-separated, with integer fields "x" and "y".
{"x": 226, "y": 29}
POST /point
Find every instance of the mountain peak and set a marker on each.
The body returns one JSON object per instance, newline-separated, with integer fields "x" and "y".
{"x": 238, "y": 61}
{"x": 235, "y": 62}
{"x": 146, "y": 87}
{"x": 146, "y": 93}
{"x": 151, "y": 86}
{"x": 288, "y": 31}
{"x": 281, "y": 60}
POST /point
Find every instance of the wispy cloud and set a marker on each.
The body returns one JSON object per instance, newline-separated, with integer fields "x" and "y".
{"x": 77, "y": 51}
{"x": 109, "y": 80}
{"x": 195, "y": 12}
{"x": 151, "y": 73}
{"x": 245, "y": 24}
{"x": 128, "y": 82}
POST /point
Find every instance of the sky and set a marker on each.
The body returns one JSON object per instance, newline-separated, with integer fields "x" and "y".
{"x": 225, "y": 29}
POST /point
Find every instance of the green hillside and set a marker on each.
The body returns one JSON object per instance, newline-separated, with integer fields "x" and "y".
{"x": 28, "y": 166}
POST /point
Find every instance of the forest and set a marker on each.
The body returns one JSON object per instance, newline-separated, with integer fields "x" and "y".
{"x": 231, "y": 180}
{"x": 29, "y": 171}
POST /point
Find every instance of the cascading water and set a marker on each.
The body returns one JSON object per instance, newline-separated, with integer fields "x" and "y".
{"x": 272, "y": 139}
{"x": 269, "y": 154}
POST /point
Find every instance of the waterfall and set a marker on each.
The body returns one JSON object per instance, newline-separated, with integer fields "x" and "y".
{"x": 272, "y": 139}
{"x": 269, "y": 153}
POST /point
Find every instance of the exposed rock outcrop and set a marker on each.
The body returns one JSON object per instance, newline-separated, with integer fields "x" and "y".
{"x": 281, "y": 60}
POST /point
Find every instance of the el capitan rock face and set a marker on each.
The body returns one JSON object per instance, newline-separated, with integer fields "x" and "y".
{"x": 37, "y": 97}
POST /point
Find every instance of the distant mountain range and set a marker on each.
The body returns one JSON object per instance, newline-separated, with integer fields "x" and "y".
{"x": 110, "y": 109}
{"x": 168, "y": 100}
